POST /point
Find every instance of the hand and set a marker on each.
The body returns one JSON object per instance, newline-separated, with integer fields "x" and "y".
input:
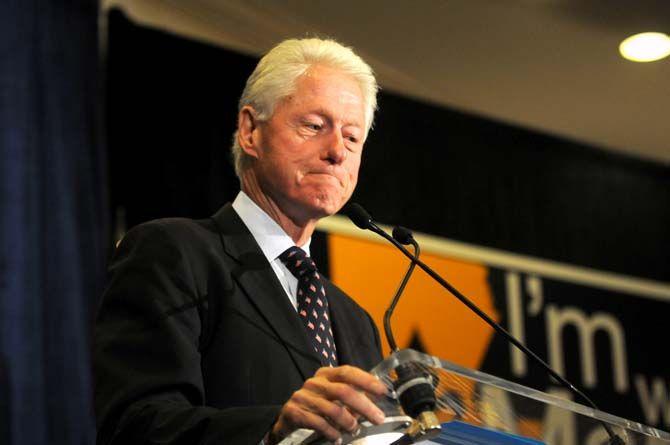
{"x": 331, "y": 402}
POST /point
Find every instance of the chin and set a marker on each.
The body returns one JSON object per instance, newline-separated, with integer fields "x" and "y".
{"x": 326, "y": 206}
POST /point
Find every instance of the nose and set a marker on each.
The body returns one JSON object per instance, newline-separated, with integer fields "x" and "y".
{"x": 336, "y": 152}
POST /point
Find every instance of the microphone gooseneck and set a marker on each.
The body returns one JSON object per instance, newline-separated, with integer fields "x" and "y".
{"x": 403, "y": 236}
{"x": 365, "y": 221}
{"x": 414, "y": 386}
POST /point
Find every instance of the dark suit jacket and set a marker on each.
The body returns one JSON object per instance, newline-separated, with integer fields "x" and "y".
{"x": 196, "y": 340}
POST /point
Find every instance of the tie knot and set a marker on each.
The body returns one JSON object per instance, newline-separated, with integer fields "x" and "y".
{"x": 297, "y": 261}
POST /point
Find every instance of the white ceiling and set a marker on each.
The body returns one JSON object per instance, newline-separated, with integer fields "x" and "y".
{"x": 549, "y": 65}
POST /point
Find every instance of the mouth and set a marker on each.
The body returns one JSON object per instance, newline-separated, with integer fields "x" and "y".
{"x": 328, "y": 176}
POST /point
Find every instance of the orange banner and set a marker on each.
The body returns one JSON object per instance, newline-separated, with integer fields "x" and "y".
{"x": 427, "y": 314}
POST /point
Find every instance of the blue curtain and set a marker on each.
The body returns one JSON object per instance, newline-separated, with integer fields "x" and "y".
{"x": 53, "y": 219}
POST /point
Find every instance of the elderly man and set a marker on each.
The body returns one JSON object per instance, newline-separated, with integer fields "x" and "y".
{"x": 222, "y": 330}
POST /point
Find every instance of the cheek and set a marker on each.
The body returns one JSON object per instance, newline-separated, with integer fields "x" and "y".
{"x": 352, "y": 170}
{"x": 284, "y": 165}
{"x": 353, "y": 180}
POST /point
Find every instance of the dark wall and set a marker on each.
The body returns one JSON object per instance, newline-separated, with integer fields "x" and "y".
{"x": 172, "y": 111}
{"x": 471, "y": 179}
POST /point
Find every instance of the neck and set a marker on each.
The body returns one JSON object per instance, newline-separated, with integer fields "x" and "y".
{"x": 299, "y": 230}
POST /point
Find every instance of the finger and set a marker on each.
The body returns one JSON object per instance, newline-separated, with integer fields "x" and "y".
{"x": 294, "y": 416}
{"x": 348, "y": 395}
{"x": 352, "y": 375}
{"x": 336, "y": 414}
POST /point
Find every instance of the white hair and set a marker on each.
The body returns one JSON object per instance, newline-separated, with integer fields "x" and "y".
{"x": 277, "y": 72}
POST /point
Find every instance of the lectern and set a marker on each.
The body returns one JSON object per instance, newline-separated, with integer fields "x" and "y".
{"x": 475, "y": 408}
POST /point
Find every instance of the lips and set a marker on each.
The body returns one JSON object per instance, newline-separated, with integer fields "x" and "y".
{"x": 334, "y": 176}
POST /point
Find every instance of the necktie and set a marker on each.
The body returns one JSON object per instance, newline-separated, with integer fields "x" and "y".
{"x": 312, "y": 303}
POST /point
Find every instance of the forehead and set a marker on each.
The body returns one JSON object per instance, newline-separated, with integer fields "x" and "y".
{"x": 328, "y": 89}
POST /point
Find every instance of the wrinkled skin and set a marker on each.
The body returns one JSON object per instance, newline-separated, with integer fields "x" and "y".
{"x": 304, "y": 163}
{"x": 305, "y": 158}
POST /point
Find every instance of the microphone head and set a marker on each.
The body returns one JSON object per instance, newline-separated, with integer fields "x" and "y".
{"x": 402, "y": 235}
{"x": 358, "y": 215}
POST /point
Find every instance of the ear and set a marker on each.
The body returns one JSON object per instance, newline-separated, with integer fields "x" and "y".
{"x": 247, "y": 131}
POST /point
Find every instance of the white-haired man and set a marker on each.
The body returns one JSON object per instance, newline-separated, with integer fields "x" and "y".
{"x": 221, "y": 330}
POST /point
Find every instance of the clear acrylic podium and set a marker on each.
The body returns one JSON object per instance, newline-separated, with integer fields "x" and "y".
{"x": 475, "y": 408}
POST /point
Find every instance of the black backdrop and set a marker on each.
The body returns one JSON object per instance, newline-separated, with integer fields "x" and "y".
{"x": 172, "y": 110}
{"x": 171, "y": 114}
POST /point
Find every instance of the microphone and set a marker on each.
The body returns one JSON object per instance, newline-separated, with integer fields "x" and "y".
{"x": 359, "y": 216}
{"x": 363, "y": 220}
{"x": 403, "y": 236}
{"x": 414, "y": 385}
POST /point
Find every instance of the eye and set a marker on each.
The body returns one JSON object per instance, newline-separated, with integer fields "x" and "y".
{"x": 313, "y": 126}
{"x": 353, "y": 139}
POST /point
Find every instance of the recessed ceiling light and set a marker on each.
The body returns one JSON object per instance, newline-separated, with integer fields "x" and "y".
{"x": 645, "y": 47}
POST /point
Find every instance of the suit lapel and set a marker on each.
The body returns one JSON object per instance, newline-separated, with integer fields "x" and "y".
{"x": 259, "y": 282}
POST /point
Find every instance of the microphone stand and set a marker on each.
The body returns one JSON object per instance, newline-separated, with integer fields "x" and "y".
{"x": 364, "y": 221}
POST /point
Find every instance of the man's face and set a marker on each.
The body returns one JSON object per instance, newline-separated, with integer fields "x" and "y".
{"x": 309, "y": 151}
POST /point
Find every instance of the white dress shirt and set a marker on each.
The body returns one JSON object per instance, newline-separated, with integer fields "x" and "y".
{"x": 272, "y": 240}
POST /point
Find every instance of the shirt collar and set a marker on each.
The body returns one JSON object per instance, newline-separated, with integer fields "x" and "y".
{"x": 271, "y": 238}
